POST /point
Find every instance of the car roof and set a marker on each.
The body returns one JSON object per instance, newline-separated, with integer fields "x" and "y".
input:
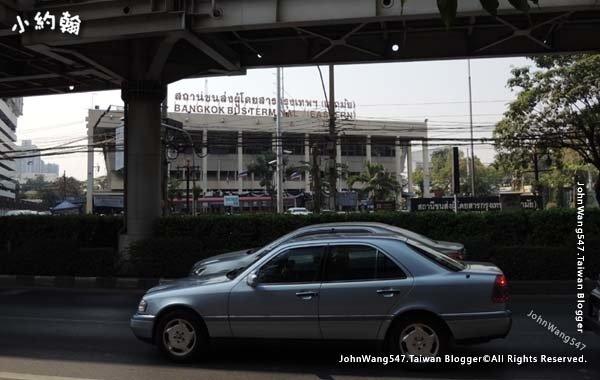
{"x": 348, "y": 224}
{"x": 348, "y": 237}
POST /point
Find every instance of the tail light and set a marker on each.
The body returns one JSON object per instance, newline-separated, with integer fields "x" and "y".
{"x": 500, "y": 291}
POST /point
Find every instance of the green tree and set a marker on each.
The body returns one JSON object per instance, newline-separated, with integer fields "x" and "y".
{"x": 378, "y": 184}
{"x": 487, "y": 178}
{"x": 264, "y": 170}
{"x": 557, "y": 107}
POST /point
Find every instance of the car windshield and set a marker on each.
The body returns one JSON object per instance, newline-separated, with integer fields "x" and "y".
{"x": 269, "y": 247}
{"x": 437, "y": 257}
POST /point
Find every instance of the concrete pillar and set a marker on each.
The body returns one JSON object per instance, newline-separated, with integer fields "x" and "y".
{"x": 426, "y": 192}
{"x": 142, "y": 157}
{"x": 205, "y": 160}
{"x": 369, "y": 154}
{"x": 240, "y": 157}
{"x": 409, "y": 167}
{"x": 307, "y": 160}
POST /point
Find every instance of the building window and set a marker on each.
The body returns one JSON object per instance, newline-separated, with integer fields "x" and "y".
{"x": 257, "y": 143}
{"x": 222, "y": 142}
{"x": 354, "y": 146}
{"x": 294, "y": 143}
{"x": 383, "y": 147}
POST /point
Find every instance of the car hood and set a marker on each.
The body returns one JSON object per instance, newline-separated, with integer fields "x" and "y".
{"x": 481, "y": 268}
{"x": 221, "y": 264}
{"x": 188, "y": 282}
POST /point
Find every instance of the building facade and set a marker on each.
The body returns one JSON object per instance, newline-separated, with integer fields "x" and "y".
{"x": 31, "y": 167}
{"x": 10, "y": 110}
{"x": 224, "y": 146}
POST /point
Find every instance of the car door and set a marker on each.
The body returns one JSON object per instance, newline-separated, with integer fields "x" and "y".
{"x": 284, "y": 301}
{"x": 360, "y": 286}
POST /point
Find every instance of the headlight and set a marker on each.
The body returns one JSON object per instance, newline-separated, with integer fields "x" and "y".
{"x": 142, "y": 306}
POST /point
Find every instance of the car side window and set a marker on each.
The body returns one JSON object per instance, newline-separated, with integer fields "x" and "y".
{"x": 358, "y": 262}
{"x": 387, "y": 269}
{"x": 295, "y": 265}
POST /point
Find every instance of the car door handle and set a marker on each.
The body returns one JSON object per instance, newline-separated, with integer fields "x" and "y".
{"x": 307, "y": 295}
{"x": 388, "y": 292}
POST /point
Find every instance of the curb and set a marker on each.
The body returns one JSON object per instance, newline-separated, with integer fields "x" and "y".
{"x": 125, "y": 283}
{"x": 79, "y": 282}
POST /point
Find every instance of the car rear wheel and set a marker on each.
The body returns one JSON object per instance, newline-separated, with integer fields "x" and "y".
{"x": 421, "y": 336}
{"x": 181, "y": 336}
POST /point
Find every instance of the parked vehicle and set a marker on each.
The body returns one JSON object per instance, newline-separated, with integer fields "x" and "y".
{"x": 592, "y": 319}
{"x": 228, "y": 260}
{"x": 364, "y": 287}
{"x": 298, "y": 211}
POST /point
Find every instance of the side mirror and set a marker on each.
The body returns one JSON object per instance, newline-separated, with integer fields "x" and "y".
{"x": 252, "y": 279}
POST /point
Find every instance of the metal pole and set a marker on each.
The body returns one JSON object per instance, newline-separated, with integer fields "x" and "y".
{"x": 471, "y": 128}
{"x": 187, "y": 185}
{"x": 279, "y": 147}
{"x": 332, "y": 141}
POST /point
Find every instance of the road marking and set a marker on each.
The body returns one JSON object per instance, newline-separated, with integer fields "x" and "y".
{"x": 27, "y": 376}
{"x": 13, "y": 292}
{"x": 36, "y": 319}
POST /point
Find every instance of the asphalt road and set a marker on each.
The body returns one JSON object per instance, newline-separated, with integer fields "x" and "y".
{"x": 53, "y": 334}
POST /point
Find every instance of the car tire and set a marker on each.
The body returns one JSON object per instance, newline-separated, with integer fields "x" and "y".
{"x": 181, "y": 336}
{"x": 419, "y": 336}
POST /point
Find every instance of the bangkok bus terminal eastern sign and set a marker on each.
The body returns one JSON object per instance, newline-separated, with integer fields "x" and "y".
{"x": 245, "y": 105}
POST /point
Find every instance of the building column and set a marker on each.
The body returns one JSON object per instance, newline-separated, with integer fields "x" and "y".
{"x": 369, "y": 154}
{"x": 240, "y": 153}
{"x": 426, "y": 192}
{"x": 205, "y": 160}
{"x": 307, "y": 160}
{"x": 409, "y": 167}
{"x": 142, "y": 157}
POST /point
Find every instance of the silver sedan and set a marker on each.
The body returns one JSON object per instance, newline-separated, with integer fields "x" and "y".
{"x": 340, "y": 287}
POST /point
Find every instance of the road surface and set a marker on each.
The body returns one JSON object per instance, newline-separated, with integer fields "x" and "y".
{"x": 63, "y": 334}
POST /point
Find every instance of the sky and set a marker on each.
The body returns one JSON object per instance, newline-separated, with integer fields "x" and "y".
{"x": 411, "y": 91}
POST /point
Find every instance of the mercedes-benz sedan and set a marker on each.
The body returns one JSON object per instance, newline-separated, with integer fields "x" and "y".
{"x": 336, "y": 287}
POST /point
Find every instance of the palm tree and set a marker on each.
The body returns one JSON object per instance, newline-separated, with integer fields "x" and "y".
{"x": 264, "y": 170}
{"x": 378, "y": 184}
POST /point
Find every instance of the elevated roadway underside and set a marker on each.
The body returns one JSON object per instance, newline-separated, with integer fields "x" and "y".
{"x": 225, "y": 37}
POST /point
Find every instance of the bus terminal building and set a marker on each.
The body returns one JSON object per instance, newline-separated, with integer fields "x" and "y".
{"x": 211, "y": 153}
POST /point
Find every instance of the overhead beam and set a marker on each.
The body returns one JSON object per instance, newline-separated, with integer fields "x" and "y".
{"x": 228, "y": 63}
{"x": 111, "y": 29}
{"x": 263, "y": 14}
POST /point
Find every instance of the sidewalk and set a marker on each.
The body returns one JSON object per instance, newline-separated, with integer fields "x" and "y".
{"x": 516, "y": 287}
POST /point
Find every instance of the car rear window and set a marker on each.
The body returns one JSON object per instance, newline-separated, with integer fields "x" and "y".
{"x": 437, "y": 257}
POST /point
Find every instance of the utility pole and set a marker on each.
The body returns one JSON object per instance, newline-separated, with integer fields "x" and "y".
{"x": 471, "y": 127}
{"x": 64, "y": 185}
{"x": 187, "y": 185}
{"x": 279, "y": 147}
{"x": 316, "y": 179}
{"x": 332, "y": 144}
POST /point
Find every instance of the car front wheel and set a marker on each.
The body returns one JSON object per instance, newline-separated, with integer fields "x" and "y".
{"x": 181, "y": 336}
